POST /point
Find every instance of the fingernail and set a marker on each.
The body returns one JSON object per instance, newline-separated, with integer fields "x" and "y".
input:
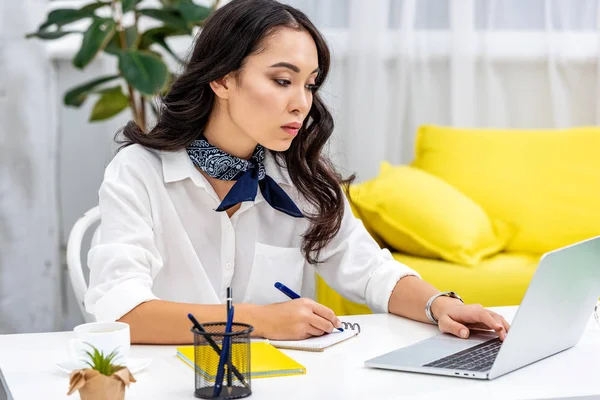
{"x": 499, "y": 327}
{"x": 463, "y": 333}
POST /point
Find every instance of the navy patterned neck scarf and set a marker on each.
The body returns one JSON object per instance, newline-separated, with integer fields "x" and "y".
{"x": 249, "y": 174}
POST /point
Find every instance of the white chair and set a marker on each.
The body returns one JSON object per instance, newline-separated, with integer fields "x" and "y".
{"x": 74, "y": 264}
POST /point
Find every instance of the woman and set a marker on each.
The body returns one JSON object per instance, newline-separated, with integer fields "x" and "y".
{"x": 230, "y": 189}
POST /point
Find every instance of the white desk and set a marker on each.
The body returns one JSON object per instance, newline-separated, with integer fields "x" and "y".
{"x": 27, "y": 363}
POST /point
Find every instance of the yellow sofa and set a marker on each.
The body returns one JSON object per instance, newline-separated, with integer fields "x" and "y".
{"x": 544, "y": 183}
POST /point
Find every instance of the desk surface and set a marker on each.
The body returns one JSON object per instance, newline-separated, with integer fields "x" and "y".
{"x": 27, "y": 363}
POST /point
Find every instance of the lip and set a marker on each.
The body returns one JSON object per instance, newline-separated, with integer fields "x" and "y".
{"x": 293, "y": 125}
{"x": 290, "y": 130}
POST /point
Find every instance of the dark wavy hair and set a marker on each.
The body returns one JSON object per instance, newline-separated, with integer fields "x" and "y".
{"x": 230, "y": 34}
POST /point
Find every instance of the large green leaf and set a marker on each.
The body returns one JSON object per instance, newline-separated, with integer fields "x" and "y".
{"x": 129, "y": 5}
{"x": 63, "y": 16}
{"x": 111, "y": 102}
{"x": 158, "y": 36}
{"x": 143, "y": 70}
{"x": 170, "y": 18}
{"x": 49, "y": 35}
{"x": 115, "y": 47}
{"x": 193, "y": 13}
{"x": 96, "y": 5}
{"x": 77, "y": 95}
{"x": 95, "y": 39}
{"x": 161, "y": 33}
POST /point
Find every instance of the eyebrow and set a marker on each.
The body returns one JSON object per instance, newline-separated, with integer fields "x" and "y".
{"x": 291, "y": 66}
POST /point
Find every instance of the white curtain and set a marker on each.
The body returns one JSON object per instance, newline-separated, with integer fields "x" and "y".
{"x": 30, "y": 297}
{"x": 399, "y": 64}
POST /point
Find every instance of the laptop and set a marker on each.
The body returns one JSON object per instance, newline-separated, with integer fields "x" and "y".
{"x": 561, "y": 297}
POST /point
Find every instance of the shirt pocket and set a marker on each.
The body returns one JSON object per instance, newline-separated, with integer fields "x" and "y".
{"x": 274, "y": 264}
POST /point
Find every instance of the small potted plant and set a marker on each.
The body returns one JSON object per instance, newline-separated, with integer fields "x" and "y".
{"x": 103, "y": 380}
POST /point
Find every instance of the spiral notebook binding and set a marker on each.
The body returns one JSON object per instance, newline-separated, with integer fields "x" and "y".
{"x": 351, "y": 325}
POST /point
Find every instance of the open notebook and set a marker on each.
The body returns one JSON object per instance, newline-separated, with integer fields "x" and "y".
{"x": 318, "y": 343}
{"x": 265, "y": 361}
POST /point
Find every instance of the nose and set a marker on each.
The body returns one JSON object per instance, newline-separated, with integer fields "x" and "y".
{"x": 301, "y": 101}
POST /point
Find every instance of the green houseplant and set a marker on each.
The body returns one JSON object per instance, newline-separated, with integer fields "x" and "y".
{"x": 102, "y": 380}
{"x": 142, "y": 71}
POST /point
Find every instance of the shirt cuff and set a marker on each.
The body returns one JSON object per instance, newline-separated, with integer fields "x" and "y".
{"x": 121, "y": 299}
{"x": 383, "y": 281}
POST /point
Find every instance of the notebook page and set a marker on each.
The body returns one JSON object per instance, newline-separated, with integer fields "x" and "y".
{"x": 316, "y": 342}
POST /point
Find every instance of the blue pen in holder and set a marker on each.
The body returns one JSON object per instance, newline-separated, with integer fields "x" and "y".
{"x": 208, "y": 345}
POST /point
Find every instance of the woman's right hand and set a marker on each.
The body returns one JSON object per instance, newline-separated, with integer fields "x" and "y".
{"x": 294, "y": 320}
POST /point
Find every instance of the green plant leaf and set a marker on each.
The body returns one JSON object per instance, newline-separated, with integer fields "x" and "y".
{"x": 94, "y": 40}
{"x": 192, "y": 12}
{"x": 129, "y": 5}
{"x": 49, "y": 35}
{"x": 64, "y": 16}
{"x": 161, "y": 33}
{"x": 101, "y": 363}
{"x": 170, "y": 18}
{"x": 111, "y": 102}
{"x": 96, "y": 5}
{"x": 77, "y": 95}
{"x": 143, "y": 70}
{"x": 131, "y": 37}
{"x": 158, "y": 36}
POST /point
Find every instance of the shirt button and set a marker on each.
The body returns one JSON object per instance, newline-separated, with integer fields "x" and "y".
{"x": 229, "y": 265}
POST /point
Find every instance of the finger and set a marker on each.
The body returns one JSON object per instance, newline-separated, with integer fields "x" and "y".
{"x": 448, "y": 325}
{"x": 486, "y": 318}
{"x": 505, "y": 323}
{"x": 505, "y": 326}
{"x": 326, "y": 313}
{"x": 321, "y": 323}
{"x": 312, "y": 331}
{"x": 500, "y": 319}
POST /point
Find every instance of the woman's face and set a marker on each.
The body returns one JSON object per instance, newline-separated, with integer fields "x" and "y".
{"x": 274, "y": 91}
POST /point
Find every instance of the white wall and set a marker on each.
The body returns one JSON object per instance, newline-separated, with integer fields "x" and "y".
{"x": 29, "y": 258}
{"x": 84, "y": 150}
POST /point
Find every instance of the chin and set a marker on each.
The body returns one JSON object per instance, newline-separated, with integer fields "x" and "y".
{"x": 278, "y": 145}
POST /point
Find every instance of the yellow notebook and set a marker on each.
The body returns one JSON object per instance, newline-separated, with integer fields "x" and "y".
{"x": 265, "y": 361}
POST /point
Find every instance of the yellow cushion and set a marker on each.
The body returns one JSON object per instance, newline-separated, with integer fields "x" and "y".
{"x": 365, "y": 222}
{"x": 417, "y": 213}
{"x": 325, "y": 295}
{"x": 545, "y": 182}
{"x": 500, "y": 280}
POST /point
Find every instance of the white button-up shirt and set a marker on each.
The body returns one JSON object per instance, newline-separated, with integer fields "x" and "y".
{"x": 161, "y": 238}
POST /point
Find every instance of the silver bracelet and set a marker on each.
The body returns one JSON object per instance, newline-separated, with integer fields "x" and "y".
{"x": 432, "y": 298}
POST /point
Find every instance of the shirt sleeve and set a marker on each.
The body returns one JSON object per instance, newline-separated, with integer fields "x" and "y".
{"x": 356, "y": 267}
{"x": 125, "y": 260}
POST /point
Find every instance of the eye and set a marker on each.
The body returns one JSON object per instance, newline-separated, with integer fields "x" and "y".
{"x": 283, "y": 82}
{"x": 313, "y": 88}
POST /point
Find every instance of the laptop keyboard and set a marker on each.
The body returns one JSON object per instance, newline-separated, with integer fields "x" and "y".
{"x": 476, "y": 358}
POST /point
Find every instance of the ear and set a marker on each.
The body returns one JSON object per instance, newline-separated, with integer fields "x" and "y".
{"x": 222, "y": 87}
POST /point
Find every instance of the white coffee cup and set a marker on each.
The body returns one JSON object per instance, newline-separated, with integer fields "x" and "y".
{"x": 104, "y": 336}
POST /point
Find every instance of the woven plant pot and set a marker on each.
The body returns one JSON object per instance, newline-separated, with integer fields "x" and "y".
{"x": 93, "y": 385}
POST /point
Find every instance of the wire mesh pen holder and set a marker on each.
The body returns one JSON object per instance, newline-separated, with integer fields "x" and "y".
{"x": 207, "y": 350}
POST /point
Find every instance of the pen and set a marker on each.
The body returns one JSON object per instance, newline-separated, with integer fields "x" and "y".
{"x": 229, "y": 310}
{"x": 224, "y": 355}
{"x": 215, "y": 347}
{"x": 292, "y": 295}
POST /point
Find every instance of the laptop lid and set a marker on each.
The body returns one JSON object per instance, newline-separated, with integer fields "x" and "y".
{"x": 556, "y": 307}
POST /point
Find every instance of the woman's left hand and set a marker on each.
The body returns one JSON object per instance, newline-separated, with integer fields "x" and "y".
{"x": 457, "y": 318}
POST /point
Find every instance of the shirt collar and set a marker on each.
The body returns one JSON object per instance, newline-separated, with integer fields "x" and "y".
{"x": 177, "y": 166}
